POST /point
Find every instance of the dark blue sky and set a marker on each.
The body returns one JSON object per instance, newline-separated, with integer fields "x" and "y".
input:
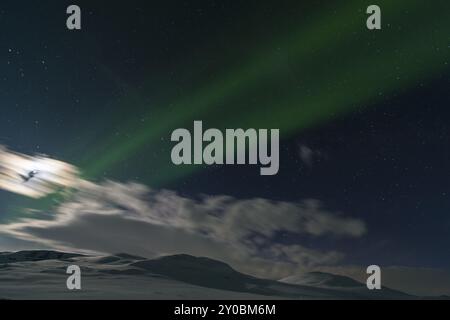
{"x": 386, "y": 162}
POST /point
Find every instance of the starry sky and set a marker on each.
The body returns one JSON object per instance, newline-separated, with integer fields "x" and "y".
{"x": 363, "y": 115}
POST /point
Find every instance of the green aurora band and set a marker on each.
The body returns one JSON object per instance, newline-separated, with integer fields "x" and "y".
{"x": 330, "y": 66}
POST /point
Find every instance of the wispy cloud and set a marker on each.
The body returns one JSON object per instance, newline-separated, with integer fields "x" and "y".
{"x": 114, "y": 217}
{"x": 310, "y": 156}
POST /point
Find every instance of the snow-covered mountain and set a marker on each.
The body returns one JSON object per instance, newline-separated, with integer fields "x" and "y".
{"x": 42, "y": 275}
{"x": 322, "y": 279}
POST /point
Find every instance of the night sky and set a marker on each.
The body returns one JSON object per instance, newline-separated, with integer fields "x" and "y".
{"x": 363, "y": 115}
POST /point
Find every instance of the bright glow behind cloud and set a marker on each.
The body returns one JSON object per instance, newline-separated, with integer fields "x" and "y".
{"x": 51, "y": 174}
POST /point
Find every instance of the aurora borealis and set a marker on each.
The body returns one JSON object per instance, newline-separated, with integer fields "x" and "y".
{"x": 369, "y": 108}
{"x": 304, "y": 54}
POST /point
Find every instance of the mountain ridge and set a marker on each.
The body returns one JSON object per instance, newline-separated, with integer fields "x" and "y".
{"x": 128, "y": 275}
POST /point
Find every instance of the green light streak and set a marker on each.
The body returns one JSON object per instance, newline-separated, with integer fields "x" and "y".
{"x": 331, "y": 91}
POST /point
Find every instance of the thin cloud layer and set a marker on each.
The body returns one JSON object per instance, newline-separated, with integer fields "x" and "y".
{"x": 247, "y": 233}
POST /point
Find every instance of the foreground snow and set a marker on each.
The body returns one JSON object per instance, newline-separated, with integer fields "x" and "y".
{"x": 42, "y": 275}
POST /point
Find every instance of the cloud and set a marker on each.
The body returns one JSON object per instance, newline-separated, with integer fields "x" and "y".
{"x": 114, "y": 217}
{"x": 309, "y": 156}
